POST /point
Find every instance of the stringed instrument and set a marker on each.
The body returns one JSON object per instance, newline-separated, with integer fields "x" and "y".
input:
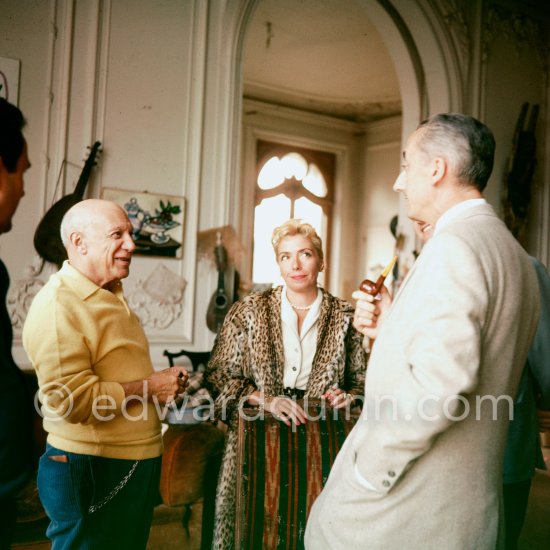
{"x": 47, "y": 238}
{"x": 521, "y": 167}
{"x": 219, "y": 303}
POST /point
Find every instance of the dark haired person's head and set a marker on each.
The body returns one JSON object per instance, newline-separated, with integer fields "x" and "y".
{"x": 14, "y": 162}
{"x": 448, "y": 159}
{"x": 11, "y": 135}
{"x": 466, "y": 143}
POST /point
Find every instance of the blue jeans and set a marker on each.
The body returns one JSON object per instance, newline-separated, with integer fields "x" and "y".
{"x": 68, "y": 489}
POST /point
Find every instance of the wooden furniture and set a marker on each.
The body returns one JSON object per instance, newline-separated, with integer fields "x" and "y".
{"x": 281, "y": 471}
{"x": 199, "y": 359}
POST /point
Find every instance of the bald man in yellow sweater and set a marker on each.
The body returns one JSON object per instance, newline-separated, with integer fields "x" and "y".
{"x": 101, "y": 398}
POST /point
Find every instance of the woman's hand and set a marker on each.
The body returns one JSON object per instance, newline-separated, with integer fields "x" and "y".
{"x": 338, "y": 399}
{"x": 284, "y": 409}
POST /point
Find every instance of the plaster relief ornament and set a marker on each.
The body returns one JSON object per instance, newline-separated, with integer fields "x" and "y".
{"x": 22, "y": 293}
{"x": 158, "y": 301}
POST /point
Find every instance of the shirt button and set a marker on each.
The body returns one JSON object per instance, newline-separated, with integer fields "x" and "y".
{"x": 296, "y": 350}
{"x": 391, "y": 473}
{"x": 293, "y": 368}
{"x": 386, "y": 483}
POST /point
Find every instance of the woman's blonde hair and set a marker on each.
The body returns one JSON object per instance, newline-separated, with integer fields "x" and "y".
{"x": 293, "y": 227}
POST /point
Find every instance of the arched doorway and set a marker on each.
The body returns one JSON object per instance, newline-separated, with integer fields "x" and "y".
{"x": 425, "y": 59}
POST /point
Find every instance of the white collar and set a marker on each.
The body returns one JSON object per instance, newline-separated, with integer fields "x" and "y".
{"x": 288, "y": 313}
{"x": 455, "y": 211}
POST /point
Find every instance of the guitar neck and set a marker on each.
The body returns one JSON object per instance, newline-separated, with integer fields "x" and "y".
{"x": 221, "y": 281}
{"x": 86, "y": 171}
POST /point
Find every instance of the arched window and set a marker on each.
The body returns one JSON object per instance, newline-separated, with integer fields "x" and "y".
{"x": 291, "y": 182}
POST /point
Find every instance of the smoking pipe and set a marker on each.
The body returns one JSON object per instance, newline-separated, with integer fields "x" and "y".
{"x": 374, "y": 288}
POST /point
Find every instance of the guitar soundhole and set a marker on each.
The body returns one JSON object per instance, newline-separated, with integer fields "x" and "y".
{"x": 221, "y": 301}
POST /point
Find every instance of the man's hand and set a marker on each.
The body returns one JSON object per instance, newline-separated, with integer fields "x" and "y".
{"x": 167, "y": 384}
{"x": 370, "y": 311}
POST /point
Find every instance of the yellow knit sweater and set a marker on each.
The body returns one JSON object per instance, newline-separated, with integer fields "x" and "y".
{"x": 83, "y": 342}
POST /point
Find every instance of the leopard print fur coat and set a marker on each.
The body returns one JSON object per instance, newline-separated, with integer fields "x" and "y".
{"x": 248, "y": 355}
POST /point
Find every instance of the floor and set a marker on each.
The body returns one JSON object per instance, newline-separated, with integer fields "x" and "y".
{"x": 536, "y": 530}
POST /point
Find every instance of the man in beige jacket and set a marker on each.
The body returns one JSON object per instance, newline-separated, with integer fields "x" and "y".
{"x": 422, "y": 468}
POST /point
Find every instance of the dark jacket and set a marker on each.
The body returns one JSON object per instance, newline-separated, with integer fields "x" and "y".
{"x": 523, "y": 452}
{"x": 16, "y": 447}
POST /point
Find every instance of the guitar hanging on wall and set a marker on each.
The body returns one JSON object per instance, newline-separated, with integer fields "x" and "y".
{"x": 47, "y": 239}
{"x": 519, "y": 175}
{"x": 219, "y": 303}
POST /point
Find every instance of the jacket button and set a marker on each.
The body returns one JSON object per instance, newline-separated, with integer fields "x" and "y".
{"x": 386, "y": 483}
{"x": 391, "y": 473}
{"x": 293, "y": 368}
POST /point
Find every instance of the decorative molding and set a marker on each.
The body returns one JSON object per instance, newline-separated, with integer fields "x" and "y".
{"x": 160, "y": 312}
{"x": 454, "y": 13}
{"x": 351, "y": 110}
{"x": 254, "y": 109}
{"x": 521, "y": 30}
{"x": 158, "y": 301}
{"x": 22, "y": 293}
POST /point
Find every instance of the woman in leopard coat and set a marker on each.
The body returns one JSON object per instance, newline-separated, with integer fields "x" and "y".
{"x": 294, "y": 340}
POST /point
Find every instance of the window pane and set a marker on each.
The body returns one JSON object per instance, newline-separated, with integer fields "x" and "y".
{"x": 267, "y": 216}
{"x": 294, "y": 166}
{"x": 309, "y": 212}
{"x": 315, "y": 182}
{"x": 271, "y": 174}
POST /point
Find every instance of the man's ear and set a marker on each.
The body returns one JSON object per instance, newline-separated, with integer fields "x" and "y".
{"x": 3, "y": 169}
{"x": 77, "y": 241}
{"x": 439, "y": 170}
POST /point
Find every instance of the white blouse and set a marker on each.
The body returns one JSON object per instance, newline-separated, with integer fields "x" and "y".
{"x": 299, "y": 349}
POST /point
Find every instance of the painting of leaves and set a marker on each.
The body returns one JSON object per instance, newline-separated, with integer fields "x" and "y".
{"x": 157, "y": 220}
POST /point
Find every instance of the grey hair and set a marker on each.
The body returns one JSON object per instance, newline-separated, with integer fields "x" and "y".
{"x": 65, "y": 229}
{"x": 466, "y": 143}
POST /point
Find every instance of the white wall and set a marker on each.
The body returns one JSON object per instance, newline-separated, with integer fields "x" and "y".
{"x": 381, "y": 166}
{"x": 129, "y": 74}
{"x": 152, "y": 125}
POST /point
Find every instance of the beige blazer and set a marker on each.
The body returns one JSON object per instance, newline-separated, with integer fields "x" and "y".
{"x": 440, "y": 383}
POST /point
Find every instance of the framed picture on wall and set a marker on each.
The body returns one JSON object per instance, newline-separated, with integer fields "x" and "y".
{"x": 9, "y": 79}
{"x": 157, "y": 220}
